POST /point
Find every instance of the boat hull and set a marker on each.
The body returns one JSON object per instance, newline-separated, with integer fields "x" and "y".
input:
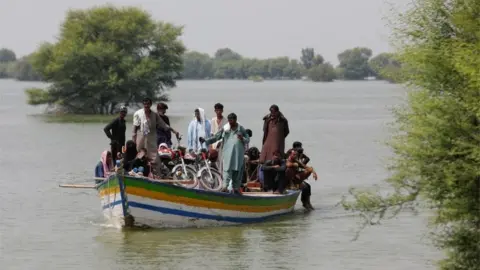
{"x": 161, "y": 205}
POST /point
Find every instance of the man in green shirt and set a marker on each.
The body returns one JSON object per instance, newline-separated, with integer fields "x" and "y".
{"x": 233, "y": 137}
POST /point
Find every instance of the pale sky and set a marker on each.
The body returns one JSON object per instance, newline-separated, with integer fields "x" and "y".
{"x": 253, "y": 28}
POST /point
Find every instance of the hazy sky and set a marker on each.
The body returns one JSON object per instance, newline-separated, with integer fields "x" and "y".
{"x": 254, "y": 28}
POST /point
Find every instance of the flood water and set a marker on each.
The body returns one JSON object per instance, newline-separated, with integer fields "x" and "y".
{"x": 342, "y": 126}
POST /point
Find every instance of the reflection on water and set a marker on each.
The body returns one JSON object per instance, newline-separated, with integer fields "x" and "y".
{"x": 239, "y": 247}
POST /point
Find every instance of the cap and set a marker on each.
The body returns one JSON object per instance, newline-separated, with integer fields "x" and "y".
{"x": 123, "y": 109}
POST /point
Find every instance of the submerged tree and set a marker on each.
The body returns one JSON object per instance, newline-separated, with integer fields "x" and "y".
{"x": 106, "y": 56}
{"x": 437, "y": 143}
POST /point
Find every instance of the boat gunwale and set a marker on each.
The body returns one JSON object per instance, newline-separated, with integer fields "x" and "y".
{"x": 250, "y": 196}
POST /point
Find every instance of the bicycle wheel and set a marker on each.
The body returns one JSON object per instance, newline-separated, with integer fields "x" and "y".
{"x": 213, "y": 183}
{"x": 179, "y": 174}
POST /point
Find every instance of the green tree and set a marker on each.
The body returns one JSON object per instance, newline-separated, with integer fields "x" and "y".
{"x": 106, "y": 56}
{"x": 354, "y": 63}
{"x": 197, "y": 65}
{"x": 226, "y": 54}
{"x": 386, "y": 67}
{"x": 322, "y": 73}
{"x": 436, "y": 146}
{"x": 7, "y": 55}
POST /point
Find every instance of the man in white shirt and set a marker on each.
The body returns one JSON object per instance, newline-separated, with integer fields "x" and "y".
{"x": 217, "y": 123}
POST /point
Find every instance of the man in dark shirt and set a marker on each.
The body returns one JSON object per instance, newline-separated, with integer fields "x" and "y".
{"x": 162, "y": 135}
{"x": 274, "y": 174}
{"x": 115, "y": 131}
{"x": 300, "y": 153}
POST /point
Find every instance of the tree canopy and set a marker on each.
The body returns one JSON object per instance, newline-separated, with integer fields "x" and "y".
{"x": 7, "y": 55}
{"x": 228, "y": 64}
{"x": 106, "y": 56}
{"x": 437, "y": 140}
{"x": 19, "y": 69}
{"x": 354, "y": 63}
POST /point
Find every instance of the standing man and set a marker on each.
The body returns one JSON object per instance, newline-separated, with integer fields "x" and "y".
{"x": 233, "y": 138}
{"x": 115, "y": 131}
{"x": 163, "y": 136}
{"x": 146, "y": 123}
{"x": 198, "y": 128}
{"x": 217, "y": 123}
{"x": 275, "y": 130}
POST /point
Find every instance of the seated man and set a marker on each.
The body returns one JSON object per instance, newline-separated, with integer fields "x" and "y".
{"x": 300, "y": 153}
{"x": 296, "y": 173}
{"x": 274, "y": 174}
{"x": 251, "y": 164}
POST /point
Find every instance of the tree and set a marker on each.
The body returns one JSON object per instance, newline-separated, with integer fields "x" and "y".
{"x": 106, "y": 56}
{"x": 7, "y": 55}
{"x": 197, "y": 65}
{"x": 322, "y": 73}
{"x": 308, "y": 58}
{"x": 354, "y": 63}
{"x": 386, "y": 67}
{"x": 226, "y": 54}
{"x": 437, "y": 138}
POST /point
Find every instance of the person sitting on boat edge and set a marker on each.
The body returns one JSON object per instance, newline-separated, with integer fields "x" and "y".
{"x": 129, "y": 155}
{"x": 302, "y": 157}
{"x": 233, "y": 137}
{"x": 105, "y": 166}
{"x": 296, "y": 174}
{"x": 141, "y": 160}
{"x": 274, "y": 174}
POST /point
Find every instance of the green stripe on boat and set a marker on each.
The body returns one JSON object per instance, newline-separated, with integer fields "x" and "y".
{"x": 195, "y": 194}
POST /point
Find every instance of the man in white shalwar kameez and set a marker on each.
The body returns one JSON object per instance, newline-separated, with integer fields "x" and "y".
{"x": 199, "y": 127}
{"x": 145, "y": 125}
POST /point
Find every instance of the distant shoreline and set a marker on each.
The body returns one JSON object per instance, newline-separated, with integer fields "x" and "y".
{"x": 84, "y": 118}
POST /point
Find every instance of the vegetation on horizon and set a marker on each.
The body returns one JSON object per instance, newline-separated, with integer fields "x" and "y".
{"x": 436, "y": 143}
{"x": 355, "y": 64}
{"x": 107, "y": 56}
{"x": 19, "y": 69}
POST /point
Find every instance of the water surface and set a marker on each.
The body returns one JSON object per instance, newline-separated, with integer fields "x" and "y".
{"x": 342, "y": 126}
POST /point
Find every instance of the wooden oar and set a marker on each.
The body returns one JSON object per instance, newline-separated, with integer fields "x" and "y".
{"x": 76, "y": 186}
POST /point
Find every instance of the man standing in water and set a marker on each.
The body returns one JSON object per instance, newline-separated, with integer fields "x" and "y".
{"x": 148, "y": 122}
{"x": 233, "y": 138}
{"x": 115, "y": 131}
{"x": 275, "y": 130}
{"x": 217, "y": 123}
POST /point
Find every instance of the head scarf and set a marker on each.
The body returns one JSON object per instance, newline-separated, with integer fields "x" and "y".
{"x": 202, "y": 123}
{"x": 106, "y": 167}
{"x": 130, "y": 151}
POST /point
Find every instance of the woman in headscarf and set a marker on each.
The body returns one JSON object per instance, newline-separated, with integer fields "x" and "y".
{"x": 199, "y": 127}
{"x": 275, "y": 130}
{"x": 105, "y": 165}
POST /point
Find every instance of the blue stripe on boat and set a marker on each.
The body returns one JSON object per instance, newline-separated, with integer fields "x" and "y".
{"x": 191, "y": 214}
{"x": 198, "y": 215}
{"x": 112, "y": 204}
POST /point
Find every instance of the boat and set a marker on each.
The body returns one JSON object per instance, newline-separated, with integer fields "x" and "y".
{"x": 131, "y": 201}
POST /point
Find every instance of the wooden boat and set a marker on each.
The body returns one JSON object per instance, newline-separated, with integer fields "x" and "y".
{"x": 138, "y": 201}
